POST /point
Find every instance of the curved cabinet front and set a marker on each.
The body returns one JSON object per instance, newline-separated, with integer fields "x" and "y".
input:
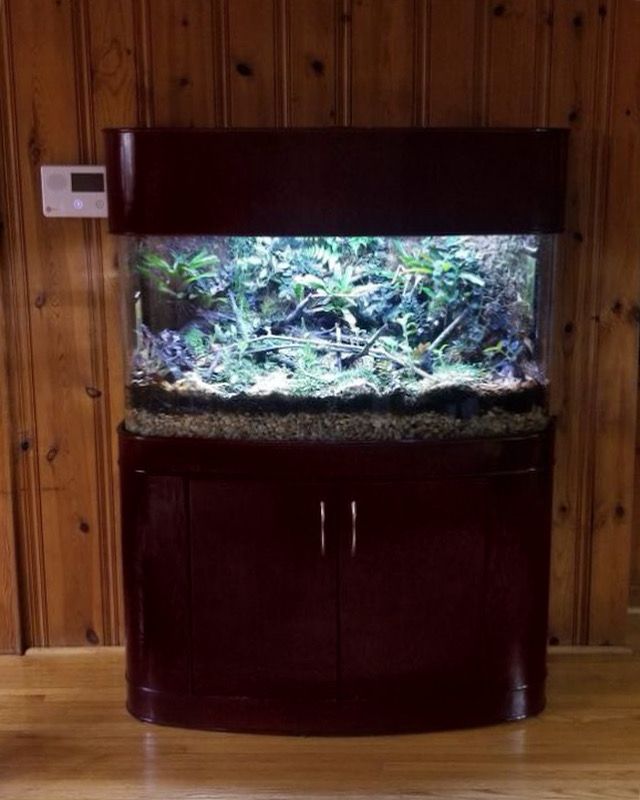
{"x": 319, "y": 589}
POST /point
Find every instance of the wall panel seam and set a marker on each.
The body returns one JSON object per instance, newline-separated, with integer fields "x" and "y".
{"x": 481, "y": 55}
{"x": 422, "y": 63}
{"x": 282, "y": 59}
{"x": 142, "y": 38}
{"x": 344, "y": 26}
{"x": 220, "y": 17}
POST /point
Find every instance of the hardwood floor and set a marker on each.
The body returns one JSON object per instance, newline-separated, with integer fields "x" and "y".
{"x": 64, "y": 733}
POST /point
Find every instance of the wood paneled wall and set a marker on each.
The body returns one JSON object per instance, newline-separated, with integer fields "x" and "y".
{"x": 72, "y": 67}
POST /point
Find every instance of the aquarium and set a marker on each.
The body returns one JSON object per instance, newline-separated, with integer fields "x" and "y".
{"x": 336, "y": 338}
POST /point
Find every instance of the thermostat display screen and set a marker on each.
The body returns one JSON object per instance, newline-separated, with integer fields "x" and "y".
{"x": 87, "y": 182}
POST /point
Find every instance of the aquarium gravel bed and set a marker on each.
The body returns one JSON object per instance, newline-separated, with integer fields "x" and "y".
{"x": 440, "y": 406}
{"x": 334, "y": 426}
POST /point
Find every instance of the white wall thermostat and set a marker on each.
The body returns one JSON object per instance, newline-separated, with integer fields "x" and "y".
{"x": 74, "y": 191}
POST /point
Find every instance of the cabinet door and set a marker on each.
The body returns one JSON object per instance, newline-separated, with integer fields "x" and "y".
{"x": 156, "y": 581}
{"x": 412, "y": 559}
{"x": 263, "y": 568}
{"x": 517, "y": 580}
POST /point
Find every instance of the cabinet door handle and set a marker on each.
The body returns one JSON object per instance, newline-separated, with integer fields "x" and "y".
{"x": 354, "y": 527}
{"x": 323, "y": 548}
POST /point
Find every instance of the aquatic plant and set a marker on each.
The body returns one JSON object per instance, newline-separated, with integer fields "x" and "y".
{"x": 182, "y": 276}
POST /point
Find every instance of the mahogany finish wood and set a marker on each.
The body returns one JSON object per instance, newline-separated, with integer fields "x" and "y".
{"x": 321, "y": 460}
{"x": 156, "y": 568}
{"x": 263, "y": 589}
{"x": 412, "y": 581}
{"x": 416, "y": 601}
{"x": 346, "y": 181}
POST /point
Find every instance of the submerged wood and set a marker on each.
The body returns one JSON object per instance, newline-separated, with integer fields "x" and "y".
{"x": 442, "y": 337}
{"x": 285, "y": 342}
{"x": 294, "y": 315}
{"x": 351, "y": 360}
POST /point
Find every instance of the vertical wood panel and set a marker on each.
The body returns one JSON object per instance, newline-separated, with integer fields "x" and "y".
{"x": 113, "y": 101}
{"x": 22, "y": 434}
{"x": 141, "y": 12}
{"x": 182, "y": 66}
{"x": 10, "y": 625}
{"x": 515, "y": 47}
{"x": 635, "y": 527}
{"x": 452, "y": 96}
{"x": 14, "y": 342}
{"x": 382, "y": 66}
{"x": 252, "y": 64}
{"x": 10, "y": 632}
{"x": 47, "y": 125}
{"x": 344, "y": 52}
{"x": 312, "y": 47}
{"x": 579, "y": 39}
{"x": 617, "y": 346}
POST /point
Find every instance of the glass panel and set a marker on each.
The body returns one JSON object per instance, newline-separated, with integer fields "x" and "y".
{"x": 336, "y": 337}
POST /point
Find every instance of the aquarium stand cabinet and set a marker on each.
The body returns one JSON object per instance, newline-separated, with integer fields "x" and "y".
{"x": 336, "y": 452}
{"x": 336, "y": 588}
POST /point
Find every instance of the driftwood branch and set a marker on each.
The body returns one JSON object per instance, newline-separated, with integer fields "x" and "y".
{"x": 294, "y": 315}
{"x": 268, "y": 343}
{"x": 444, "y": 335}
{"x": 349, "y": 361}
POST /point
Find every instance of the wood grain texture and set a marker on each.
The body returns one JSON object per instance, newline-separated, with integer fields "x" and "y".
{"x": 515, "y": 47}
{"x": 64, "y": 733}
{"x": 382, "y": 62}
{"x": 313, "y": 62}
{"x": 21, "y": 433}
{"x": 450, "y": 94}
{"x": 182, "y": 74}
{"x": 578, "y": 81}
{"x": 69, "y": 68}
{"x": 10, "y": 631}
{"x": 635, "y": 525}
{"x": 618, "y": 313}
{"x": 251, "y": 67}
{"x": 47, "y": 86}
{"x": 111, "y": 100}
{"x": 10, "y": 624}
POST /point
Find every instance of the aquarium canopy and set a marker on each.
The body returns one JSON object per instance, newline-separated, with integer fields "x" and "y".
{"x": 335, "y": 181}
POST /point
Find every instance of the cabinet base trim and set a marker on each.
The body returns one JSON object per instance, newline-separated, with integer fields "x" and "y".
{"x": 482, "y": 706}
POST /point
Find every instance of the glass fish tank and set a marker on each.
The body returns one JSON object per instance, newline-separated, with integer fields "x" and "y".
{"x": 336, "y": 337}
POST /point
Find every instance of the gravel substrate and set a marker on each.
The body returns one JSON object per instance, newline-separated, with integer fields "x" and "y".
{"x": 333, "y": 426}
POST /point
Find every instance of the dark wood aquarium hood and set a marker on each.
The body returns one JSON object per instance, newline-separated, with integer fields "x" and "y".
{"x": 335, "y": 181}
